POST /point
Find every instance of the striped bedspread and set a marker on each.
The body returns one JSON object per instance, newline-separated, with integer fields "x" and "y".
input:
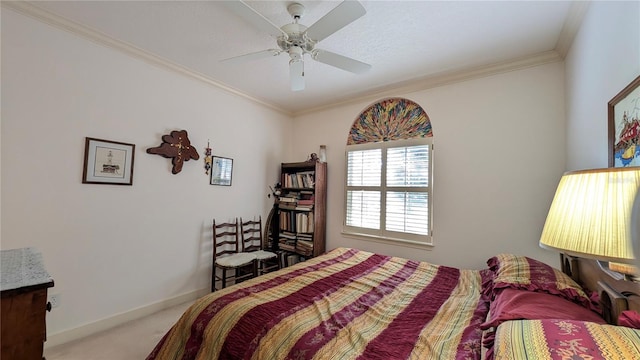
{"x": 346, "y": 304}
{"x": 565, "y": 339}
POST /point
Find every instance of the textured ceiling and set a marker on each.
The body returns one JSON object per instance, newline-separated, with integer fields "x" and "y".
{"x": 404, "y": 41}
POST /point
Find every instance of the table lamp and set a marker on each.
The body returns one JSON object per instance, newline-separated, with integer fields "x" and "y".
{"x": 591, "y": 216}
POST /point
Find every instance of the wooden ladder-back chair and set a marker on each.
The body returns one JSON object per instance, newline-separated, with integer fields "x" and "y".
{"x": 228, "y": 256}
{"x": 254, "y": 243}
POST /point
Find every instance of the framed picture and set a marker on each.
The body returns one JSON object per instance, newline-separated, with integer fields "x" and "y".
{"x": 108, "y": 162}
{"x": 624, "y": 127}
{"x": 221, "y": 170}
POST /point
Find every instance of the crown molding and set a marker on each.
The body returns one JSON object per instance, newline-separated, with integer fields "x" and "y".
{"x": 38, "y": 13}
{"x": 570, "y": 28}
{"x": 445, "y": 78}
{"x": 572, "y": 24}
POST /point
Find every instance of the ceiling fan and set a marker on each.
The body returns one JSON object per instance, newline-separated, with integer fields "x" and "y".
{"x": 297, "y": 40}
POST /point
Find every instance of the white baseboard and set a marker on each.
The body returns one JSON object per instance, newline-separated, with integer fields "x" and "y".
{"x": 119, "y": 319}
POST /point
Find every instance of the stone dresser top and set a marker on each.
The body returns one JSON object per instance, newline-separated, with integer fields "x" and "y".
{"x": 21, "y": 268}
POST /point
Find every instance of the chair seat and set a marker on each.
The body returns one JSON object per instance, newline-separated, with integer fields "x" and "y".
{"x": 264, "y": 255}
{"x": 254, "y": 243}
{"x": 236, "y": 260}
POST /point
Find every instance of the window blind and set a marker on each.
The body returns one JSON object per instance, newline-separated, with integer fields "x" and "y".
{"x": 388, "y": 190}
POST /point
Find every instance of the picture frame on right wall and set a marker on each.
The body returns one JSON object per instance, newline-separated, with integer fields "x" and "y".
{"x": 624, "y": 126}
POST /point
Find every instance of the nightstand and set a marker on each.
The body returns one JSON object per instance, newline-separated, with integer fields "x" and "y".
{"x": 23, "y": 289}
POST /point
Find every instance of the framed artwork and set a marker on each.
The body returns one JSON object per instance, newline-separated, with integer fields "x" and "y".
{"x": 624, "y": 127}
{"x": 108, "y": 162}
{"x": 221, "y": 170}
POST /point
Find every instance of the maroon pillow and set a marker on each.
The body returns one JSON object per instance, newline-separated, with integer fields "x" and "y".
{"x": 514, "y": 304}
{"x": 629, "y": 318}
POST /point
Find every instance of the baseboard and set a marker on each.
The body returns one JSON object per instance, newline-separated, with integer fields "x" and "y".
{"x": 119, "y": 319}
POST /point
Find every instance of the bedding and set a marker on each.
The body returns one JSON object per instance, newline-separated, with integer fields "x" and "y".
{"x": 629, "y": 318}
{"x": 521, "y": 272}
{"x": 565, "y": 339}
{"x": 346, "y": 304}
{"x": 514, "y": 304}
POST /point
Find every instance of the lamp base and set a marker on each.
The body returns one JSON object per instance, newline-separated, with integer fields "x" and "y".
{"x": 605, "y": 267}
{"x": 612, "y": 287}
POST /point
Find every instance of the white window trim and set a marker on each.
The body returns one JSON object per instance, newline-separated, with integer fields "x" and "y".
{"x": 383, "y": 236}
{"x": 390, "y": 241}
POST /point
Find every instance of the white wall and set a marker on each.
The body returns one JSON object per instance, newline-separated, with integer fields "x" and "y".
{"x": 111, "y": 249}
{"x": 499, "y": 153}
{"x": 500, "y": 150}
{"x": 502, "y": 143}
{"x": 604, "y": 58}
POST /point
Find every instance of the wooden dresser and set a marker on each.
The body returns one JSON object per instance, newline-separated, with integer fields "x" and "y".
{"x": 24, "y": 284}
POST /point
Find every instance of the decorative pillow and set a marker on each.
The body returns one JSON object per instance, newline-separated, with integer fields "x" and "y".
{"x": 514, "y": 304}
{"x": 521, "y": 272}
{"x": 548, "y": 339}
{"x": 629, "y": 318}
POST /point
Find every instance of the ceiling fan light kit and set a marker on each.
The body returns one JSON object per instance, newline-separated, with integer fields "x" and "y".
{"x": 296, "y": 73}
{"x": 297, "y": 40}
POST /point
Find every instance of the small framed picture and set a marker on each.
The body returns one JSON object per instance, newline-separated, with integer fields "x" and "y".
{"x": 221, "y": 170}
{"x": 624, "y": 126}
{"x": 108, "y": 162}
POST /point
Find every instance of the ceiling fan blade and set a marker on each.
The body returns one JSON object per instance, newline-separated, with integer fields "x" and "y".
{"x": 253, "y": 56}
{"x": 341, "y": 62}
{"x": 296, "y": 73}
{"x": 341, "y": 16}
{"x": 253, "y": 17}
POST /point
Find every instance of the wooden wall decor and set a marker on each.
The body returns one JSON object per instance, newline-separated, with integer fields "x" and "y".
{"x": 178, "y": 147}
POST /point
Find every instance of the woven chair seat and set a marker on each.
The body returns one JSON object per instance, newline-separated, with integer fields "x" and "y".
{"x": 264, "y": 255}
{"x": 254, "y": 243}
{"x": 236, "y": 260}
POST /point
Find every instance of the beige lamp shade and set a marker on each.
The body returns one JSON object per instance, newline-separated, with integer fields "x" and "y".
{"x": 591, "y": 214}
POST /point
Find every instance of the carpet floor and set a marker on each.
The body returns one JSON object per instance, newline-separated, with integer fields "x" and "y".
{"x": 131, "y": 341}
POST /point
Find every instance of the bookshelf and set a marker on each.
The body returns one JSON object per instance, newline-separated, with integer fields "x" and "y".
{"x": 299, "y": 219}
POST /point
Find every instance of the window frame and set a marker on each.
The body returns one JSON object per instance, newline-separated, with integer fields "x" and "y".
{"x": 383, "y": 235}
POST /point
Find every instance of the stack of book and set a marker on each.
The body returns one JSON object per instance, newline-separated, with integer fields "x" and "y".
{"x": 306, "y": 201}
{"x": 304, "y": 247}
{"x": 288, "y": 201}
{"x": 287, "y": 241}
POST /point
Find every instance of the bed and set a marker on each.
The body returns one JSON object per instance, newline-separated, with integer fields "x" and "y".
{"x": 539, "y": 312}
{"x": 353, "y": 304}
{"x": 346, "y": 304}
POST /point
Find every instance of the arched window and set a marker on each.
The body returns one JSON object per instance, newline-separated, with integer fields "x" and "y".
{"x": 389, "y": 173}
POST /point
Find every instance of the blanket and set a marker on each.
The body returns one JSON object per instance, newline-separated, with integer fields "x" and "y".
{"x": 345, "y": 304}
